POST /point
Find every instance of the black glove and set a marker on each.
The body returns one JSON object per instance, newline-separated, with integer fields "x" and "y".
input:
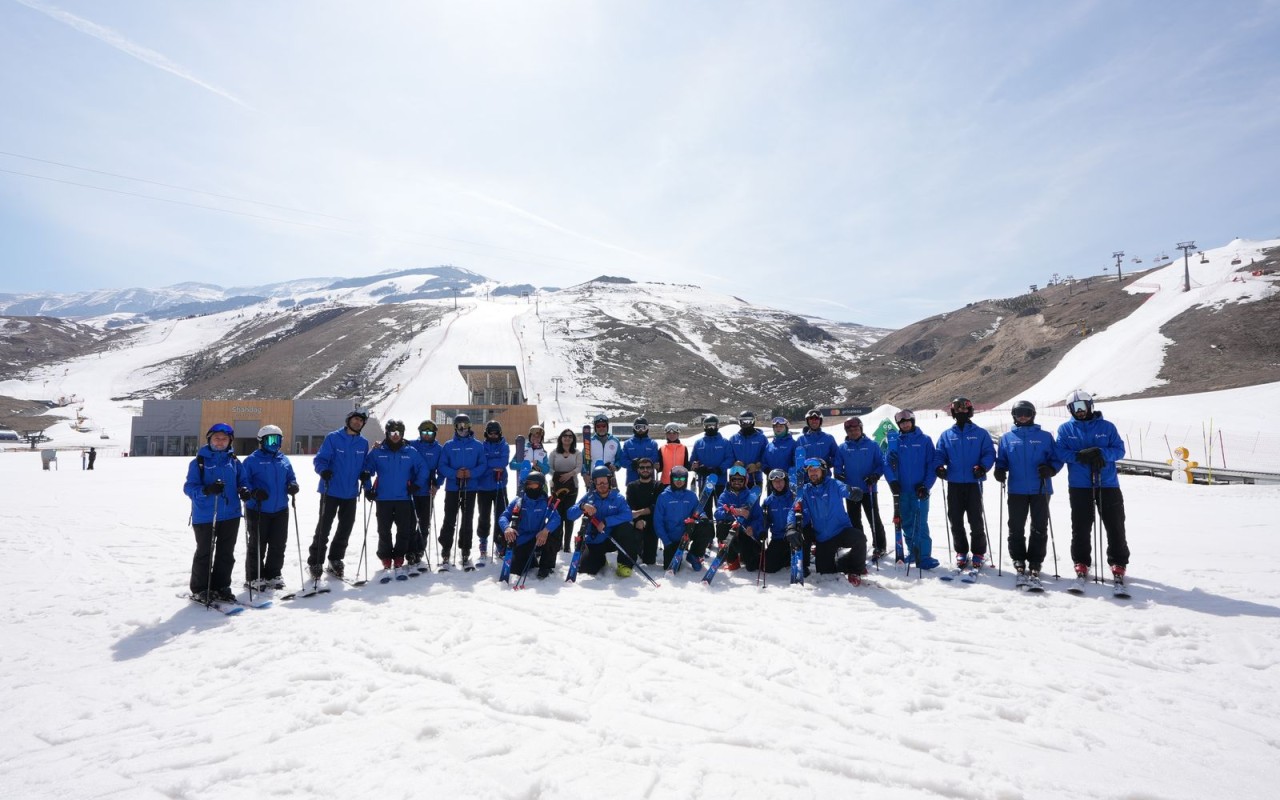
{"x": 245, "y": 493}
{"x": 326, "y": 475}
{"x": 1044, "y": 471}
{"x": 941, "y": 471}
{"x": 1092, "y": 457}
{"x": 260, "y": 494}
{"x": 1000, "y": 473}
{"x": 364, "y": 476}
{"x": 217, "y": 487}
{"x": 370, "y": 494}
{"x": 413, "y": 487}
{"x": 979, "y": 471}
{"x": 855, "y": 494}
{"x": 893, "y": 461}
{"x": 795, "y": 539}
{"x": 291, "y": 489}
{"x": 895, "y": 487}
{"x": 872, "y": 479}
{"x": 922, "y": 492}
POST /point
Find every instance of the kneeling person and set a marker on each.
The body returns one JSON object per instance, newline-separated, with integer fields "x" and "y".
{"x": 676, "y": 514}
{"x": 608, "y": 525}
{"x": 535, "y": 521}
{"x": 826, "y": 523}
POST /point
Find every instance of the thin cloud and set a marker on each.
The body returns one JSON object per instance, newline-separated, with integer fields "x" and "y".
{"x": 143, "y": 54}
{"x": 529, "y": 215}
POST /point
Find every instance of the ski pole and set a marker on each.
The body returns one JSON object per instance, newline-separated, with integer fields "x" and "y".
{"x": 1049, "y": 518}
{"x": 213, "y": 553}
{"x": 986, "y": 527}
{"x": 1000, "y": 543}
{"x": 1097, "y": 530}
{"x": 364, "y": 547}
{"x": 946, "y": 515}
{"x": 297, "y": 538}
{"x": 634, "y": 563}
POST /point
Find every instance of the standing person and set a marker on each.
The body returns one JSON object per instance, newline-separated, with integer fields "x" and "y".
{"x": 1028, "y": 459}
{"x": 605, "y": 505}
{"x": 642, "y": 495}
{"x": 424, "y": 499}
{"x": 675, "y": 513}
{"x": 779, "y": 503}
{"x": 535, "y": 453}
{"x": 672, "y": 453}
{"x": 965, "y": 454}
{"x": 461, "y": 460}
{"x": 399, "y": 473}
{"x": 491, "y": 485}
{"x": 780, "y": 453}
{"x": 93, "y": 456}
{"x": 711, "y": 456}
{"x": 84, "y": 459}
{"x": 821, "y": 500}
{"x": 910, "y": 470}
{"x": 534, "y": 527}
{"x": 1090, "y": 446}
{"x": 637, "y": 447}
{"x": 566, "y": 463}
{"x": 740, "y": 502}
{"x": 604, "y": 447}
{"x": 815, "y": 442}
{"x": 748, "y": 446}
{"x": 269, "y": 482}
{"x": 859, "y": 462}
{"x": 213, "y": 483}
{"x": 339, "y": 463}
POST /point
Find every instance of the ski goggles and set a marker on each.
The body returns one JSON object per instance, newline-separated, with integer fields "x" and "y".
{"x": 814, "y": 463}
{"x": 426, "y": 432}
{"x": 1078, "y": 405}
{"x": 1023, "y": 413}
{"x": 272, "y": 440}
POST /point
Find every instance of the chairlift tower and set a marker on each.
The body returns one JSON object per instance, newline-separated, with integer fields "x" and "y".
{"x": 1119, "y": 257}
{"x": 1186, "y": 248}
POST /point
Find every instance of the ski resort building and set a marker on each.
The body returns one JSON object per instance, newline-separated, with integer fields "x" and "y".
{"x": 176, "y": 427}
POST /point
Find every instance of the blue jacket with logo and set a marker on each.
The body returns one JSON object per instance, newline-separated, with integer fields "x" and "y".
{"x": 611, "y": 509}
{"x": 497, "y": 455}
{"x": 748, "y": 499}
{"x": 431, "y": 453}
{"x": 210, "y": 466}
{"x": 818, "y": 444}
{"x": 780, "y": 453}
{"x": 458, "y": 453}
{"x": 1022, "y": 451}
{"x": 1074, "y": 436}
{"x": 343, "y": 452}
{"x": 712, "y": 451}
{"x": 674, "y": 506}
{"x": 395, "y": 470}
{"x": 635, "y": 448}
{"x": 263, "y": 469}
{"x": 823, "y": 507}
{"x": 911, "y": 461}
{"x": 961, "y": 448}
{"x": 535, "y": 514}
{"x": 856, "y": 459}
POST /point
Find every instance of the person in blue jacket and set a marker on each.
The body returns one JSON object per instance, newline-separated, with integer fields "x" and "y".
{"x": 740, "y": 503}
{"x": 462, "y": 459}
{"x": 748, "y": 446}
{"x": 608, "y": 516}
{"x": 860, "y": 462}
{"x": 393, "y": 474}
{"x": 965, "y": 455}
{"x": 269, "y": 482}
{"x": 711, "y": 456}
{"x": 424, "y": 499}
{"x": 214, "y": 479}
{"x": 533, "y": 527}
{"x": 1090, "y": 446}
{"x": 780, "y": 452}
{"x": 676, "y": 513}
{"x": 778, "y": 505}
{"x": 491, "y": 486}
{"x": 639, "y": 446}
{"x": 814, "y": 442}
{"x": 1027, "y": 458}
{"x": 909, "y": 467}
{"x": 821, "y": 503}
{"x": 339, "y": 463}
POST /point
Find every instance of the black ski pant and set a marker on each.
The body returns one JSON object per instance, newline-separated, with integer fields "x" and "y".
{"x": 742, "y": 547}
{"x": 777, "y": 556}
{"x": 487, "y": 502}
{"x": 452, "y": 501}
{"x": 700, "y": 535}
{"x": 344, "y": 508}
{"x": 218, "y": 546}
{"x": 568, "y": 495}
{"x": 871, "y": 507}
{"x": 648, "y": 541}
{"x": 1110, "y": 505}
{"x": 399, "y": 513}
{"x": 965, "y": 500}
{"x": 824, "y": 553}
{"x": 544, "y": 559}
{"x": 594, "y": 559}
{"x": 422, "y": 509}
{"x": 1038, "y": 507}
{"x": 266, "y": 539}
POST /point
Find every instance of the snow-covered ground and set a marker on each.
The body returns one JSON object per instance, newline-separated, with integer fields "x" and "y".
{"x": 455, "y": 686}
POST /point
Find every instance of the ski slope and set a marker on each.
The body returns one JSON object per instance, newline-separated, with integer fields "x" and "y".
{"x": 455, "y": 686}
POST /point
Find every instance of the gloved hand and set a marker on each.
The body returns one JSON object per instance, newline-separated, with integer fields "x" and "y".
{"x": 941, "y": 471}
{"x": 364, "y": 476}
{"x": 1000, "y": 474}
{"x": 260, "y": 495}
{"x": 979, "y": 471}
{"x": 463, "y": 474}
{"x": 217, "y": 487}
{"x": 1091, "y": 457}
{"x": 326, "y": 475}
{"x": 893, "y": 461}
{"x": 413, "y": 487}
{"x": 872, "y": 479}
{"x": 897, "y": 512}
{"x": 370, "y": 493}
{"x": 922, "y": 492}
{"x": 1044, "y": 471}
{"x": 795, "y": 539}
{"x": 245, "y": 493}
{"x": 855, "y": 494}
{"x": 292, "y": 489}
{"x": 895, "y": 487}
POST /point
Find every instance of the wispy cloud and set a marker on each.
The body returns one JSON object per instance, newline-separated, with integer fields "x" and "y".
{"x": 144, "y": 54}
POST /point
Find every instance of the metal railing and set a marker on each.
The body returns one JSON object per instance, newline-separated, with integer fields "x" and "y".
{"x": 1205, "y": 475}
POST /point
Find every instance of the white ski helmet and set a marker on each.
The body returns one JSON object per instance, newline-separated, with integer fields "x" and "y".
{"x": 267, "y": 430}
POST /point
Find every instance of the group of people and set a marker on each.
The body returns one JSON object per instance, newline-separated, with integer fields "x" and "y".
{"x": 756, "y": 499}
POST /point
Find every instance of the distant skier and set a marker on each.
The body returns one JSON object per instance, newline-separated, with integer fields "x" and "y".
{"x": 1090, "y": 446}
{"x": 566, "y": 463}
{"x": 214, "y": 480}
{"x": 461, "y": 460}
{"x": 400, "y": 474}
{"x": 637, "y": 447}
{"x": 269, "y": 482}
{"x": 909, "y": 466}
{"x": 965, "y": 453}
{"x": 339, "y": 463}
{"x": 93, "y": 456}
{"x": 859, "y": 462}
{"x": 1027, "y": 458}
{"x": 748, "y": 446}
{"x": 838, "y": 546}
{"x": 607, "y": 507}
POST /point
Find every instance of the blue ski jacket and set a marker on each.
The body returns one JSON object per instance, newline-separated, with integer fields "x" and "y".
{"x": 1022, "y": 451}
{"x": 263, "y": 469}
{"x": 635, "y": 448}
{"x": 748, "y": 499}
{"x": 857, "y": 460}
{"x": 961, "y": 448}
{"x": 780, "y": 453}
{"x": 712, "y": 452}
{"x": 210, "y": 466}
{"x": 674, "y": 506}
{"x": 911, "y": 461}
{"x": 431, "y": 453}
{"x": 611, "y": 509}
{"x": 395, "y": 470}
{"x": 823, "y": 507}
{"x": 818, "y": 444}
{"x": 777, "y": 507}
{"x": 494, "y": 474}
{"x": 461, "y": 452}
{"x": 535, "y": 514}
{"x": 1074, "y": 436}
{"x": 749, "y": 449}
{"x": 344, "y": 453}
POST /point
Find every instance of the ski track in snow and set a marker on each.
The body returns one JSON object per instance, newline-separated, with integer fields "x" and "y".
{"x": 454, "y": 685}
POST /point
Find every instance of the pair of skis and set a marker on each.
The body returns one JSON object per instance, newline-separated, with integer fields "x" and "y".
{"x": 708, "y": 488}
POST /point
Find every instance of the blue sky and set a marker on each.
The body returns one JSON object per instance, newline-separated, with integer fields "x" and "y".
{"x": 875, "y": 162}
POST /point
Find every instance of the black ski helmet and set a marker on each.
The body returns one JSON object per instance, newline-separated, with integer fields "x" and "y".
{"x": 1023, "y": 408}
{"x": 394, "y": 426}
{"x": 536, "y": 478}
{"x": 747, "y": 419}
{"x": 710, "y": 423}
{"x": 641, "y": 425}
{"x": 356, "y": 412}
{"x": 493, "y": 426}
{"x": 960, "y": 406}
